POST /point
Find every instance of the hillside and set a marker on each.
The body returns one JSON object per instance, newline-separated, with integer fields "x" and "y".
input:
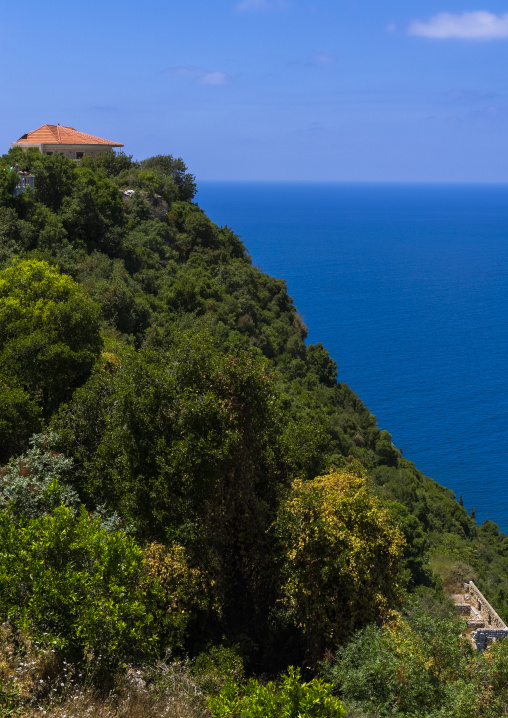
{"x": 181, "y": 472}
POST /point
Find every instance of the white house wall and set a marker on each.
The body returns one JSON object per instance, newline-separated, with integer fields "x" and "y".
{"x": 70, "y": 151}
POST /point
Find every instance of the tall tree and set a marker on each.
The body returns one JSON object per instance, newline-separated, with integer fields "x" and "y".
{"x": 49, "y": 332}
{"x": 342, "y": 557}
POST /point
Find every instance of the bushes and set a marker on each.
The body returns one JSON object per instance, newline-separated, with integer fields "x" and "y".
{"x": 68, "y": 583}
{"x": 290, "y": 699}
{"x": 421, "y": 667}
{"x": 178, "y": 592}
{"x": 34, "y": 484}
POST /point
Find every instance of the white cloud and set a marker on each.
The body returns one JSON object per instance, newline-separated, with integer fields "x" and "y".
{"x": 199, "y": 74}
{"x": 480, "y": 25}
{"x": 213, "y": 78}
{"x": 246, "y": 5}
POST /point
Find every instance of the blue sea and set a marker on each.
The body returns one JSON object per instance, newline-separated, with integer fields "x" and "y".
{"x": 407, "y": 288}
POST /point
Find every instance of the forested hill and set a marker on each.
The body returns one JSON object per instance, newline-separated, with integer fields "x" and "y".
{"x": 161, "y": 410}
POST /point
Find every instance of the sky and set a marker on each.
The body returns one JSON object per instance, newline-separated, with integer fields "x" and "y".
{"x": 315, "y": 90}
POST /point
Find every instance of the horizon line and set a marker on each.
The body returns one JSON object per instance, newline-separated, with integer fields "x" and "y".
{"x": 356, "y": 181}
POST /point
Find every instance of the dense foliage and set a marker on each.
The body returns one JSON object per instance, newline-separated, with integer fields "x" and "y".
{"x": 181, "y": 471}
{"x": 291, "y": 699}
{"x": 339, "y": 544}
{"x": 65, "y": 581}
{"x": 421, "y": 666}
{"x": 50, "y": 340}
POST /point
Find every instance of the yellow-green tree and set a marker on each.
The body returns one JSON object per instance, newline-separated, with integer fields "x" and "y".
{"x": 342, "y": 557}
{"x": 178, "y": 593}
{"x": 49, "y": 332}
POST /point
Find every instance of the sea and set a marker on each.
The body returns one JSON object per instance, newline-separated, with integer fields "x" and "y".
{"x": 406, "y": 285}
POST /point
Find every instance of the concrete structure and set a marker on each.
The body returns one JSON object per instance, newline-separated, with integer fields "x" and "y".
{"x": 484, "y": 624}
{"x": 65, "y": 141}
{"x": 26, "y": 181}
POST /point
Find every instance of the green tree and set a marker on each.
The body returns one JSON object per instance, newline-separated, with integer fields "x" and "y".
{"x": 123, "y": 305}
{"x": 8, "y": 181}
{"x": 110, "y": 162}
{"x": 45, "y": 225}
{"x": 156, "y": 186}
{"x": 387, "y": 452}
{"x": 93, "y": 213}
{"x": 49, "y": 332}
{"x": 21, "y": 157}
{"x": 20, "y": 416}
{"x": 71, "y": 585}
{"x": 415, "y": 552}
{"x": 54, "y": 179}
{"x": 16, "y": 235}
{"x": 169, "y": 166}
{"x": 321, "y": 364}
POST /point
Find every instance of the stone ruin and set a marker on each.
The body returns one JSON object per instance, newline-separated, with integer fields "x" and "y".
{"x": 484, "y": 625}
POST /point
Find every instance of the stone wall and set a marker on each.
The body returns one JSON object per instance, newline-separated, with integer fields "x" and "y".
{"x": 484, "y": 637}
{"x": 484, "y": 626}
{"x": 482, "y": 607}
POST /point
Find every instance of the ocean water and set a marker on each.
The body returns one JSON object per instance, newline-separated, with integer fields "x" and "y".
{"x": 407, "y": 288}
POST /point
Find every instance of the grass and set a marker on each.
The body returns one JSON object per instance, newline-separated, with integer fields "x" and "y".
{"x": 36, "y": 683}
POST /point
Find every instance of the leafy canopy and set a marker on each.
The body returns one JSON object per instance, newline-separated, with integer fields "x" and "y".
{"x": 49, "y": 331}
{"x": 342, "y": 557}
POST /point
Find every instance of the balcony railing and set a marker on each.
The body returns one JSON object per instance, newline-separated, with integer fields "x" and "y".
{"x": 25, "y": 181}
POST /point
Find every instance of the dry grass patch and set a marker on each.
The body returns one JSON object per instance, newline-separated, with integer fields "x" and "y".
{"x": 36, "y": 683}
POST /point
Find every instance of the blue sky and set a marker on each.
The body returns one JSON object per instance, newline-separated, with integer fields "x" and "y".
{"x": 270, "y": 89}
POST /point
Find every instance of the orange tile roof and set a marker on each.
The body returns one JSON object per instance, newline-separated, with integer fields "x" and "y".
{"x": 60, "y": 135}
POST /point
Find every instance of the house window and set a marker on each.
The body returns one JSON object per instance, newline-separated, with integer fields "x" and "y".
{"x": 79, "y": 155}
{"x": 49, "y": 153}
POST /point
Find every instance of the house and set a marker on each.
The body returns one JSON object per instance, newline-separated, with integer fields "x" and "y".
{"x": 65, "y": 141}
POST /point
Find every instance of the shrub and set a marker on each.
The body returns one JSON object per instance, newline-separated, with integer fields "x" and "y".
{"x": 290, "y": 699}
{"x": 177, "y": 591}
{"x": 34, "y": 484}
{"x": 422, "y": 667}
{"x": 214, "y": 667}
{"x": 69, "y": 584}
